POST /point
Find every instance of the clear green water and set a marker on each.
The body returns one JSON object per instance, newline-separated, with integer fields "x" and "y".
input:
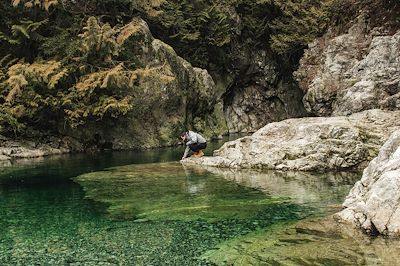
{"x": 141, "y": 208}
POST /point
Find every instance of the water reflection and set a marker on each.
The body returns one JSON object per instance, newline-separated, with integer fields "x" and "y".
{"x": 301, "y": 187}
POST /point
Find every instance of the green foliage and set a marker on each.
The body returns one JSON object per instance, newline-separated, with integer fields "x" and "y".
{"x": 205, "y": 33}
{"x": 89, "y": 86}
{"x": 98, "y": 42}
{"x": 23, "y": 37}
{"x": 195, "y": 28}
{"x": 8, "y": 122}
{"x": 105, "y": 93}
{"x": 299, "y": 23}
{"x": 48, "y": 74}
{"x": 45, "y": 4}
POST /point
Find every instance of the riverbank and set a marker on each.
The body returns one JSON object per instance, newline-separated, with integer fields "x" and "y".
{"x": 11, "y": 149}
{"x": 310, "y": 144}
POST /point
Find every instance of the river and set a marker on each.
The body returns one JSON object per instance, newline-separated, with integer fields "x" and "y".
{"x": 144, "y": 208}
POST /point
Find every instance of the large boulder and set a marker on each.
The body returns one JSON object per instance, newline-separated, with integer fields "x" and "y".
{"x": 373, "y": 203}
{"x": 351, "y": 72}
{"x": 186, "y": 95}
{"x": 309, "y": 144}
{"x": 170, "y": 95}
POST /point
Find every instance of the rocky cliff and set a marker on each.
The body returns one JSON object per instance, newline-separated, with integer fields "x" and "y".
{"x": 309, "y": 144}
{"x": 261, "y": 92}
{"x": 352, "y": 72}
{"x": 174, "y": 95}
{"x": 373, "y": 202}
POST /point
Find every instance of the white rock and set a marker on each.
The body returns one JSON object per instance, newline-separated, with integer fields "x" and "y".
{"x": 377, "y": 195}
{"x": 309, "y": 144}
{"x": 352, "y": 72}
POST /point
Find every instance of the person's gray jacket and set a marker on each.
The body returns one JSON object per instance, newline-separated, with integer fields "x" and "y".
{"x": 192, "y": 138}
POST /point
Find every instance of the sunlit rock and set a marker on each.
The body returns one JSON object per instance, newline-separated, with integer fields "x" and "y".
{"x": 352, "y": 72}
{"x": 373, "y": 203}
{"x": 309, "y": 144}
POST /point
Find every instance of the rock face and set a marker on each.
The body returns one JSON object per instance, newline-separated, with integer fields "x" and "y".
{"x": 352, "y": 72}
{"x": 373, "y": 203}
{"x": 172, "y": 96}
{"x": 309, "y": 144}
{"x": 260, "y": 93}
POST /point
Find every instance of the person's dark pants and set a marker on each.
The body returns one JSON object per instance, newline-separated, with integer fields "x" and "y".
{"x": 195, "y": 147}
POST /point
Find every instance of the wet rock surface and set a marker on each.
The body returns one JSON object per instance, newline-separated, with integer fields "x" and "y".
{"x": 23, "y": 149}
{"x": 309, "y": 144}
{"x": 352, "y": 72}
{"x": 373, "y": 203}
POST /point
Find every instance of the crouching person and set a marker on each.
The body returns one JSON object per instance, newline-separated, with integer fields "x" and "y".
{"x": 194, "y": 142}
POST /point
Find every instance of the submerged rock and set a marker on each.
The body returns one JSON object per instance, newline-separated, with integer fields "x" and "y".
{"x": 169, "y": 191}
{"x": 309, "y": 144}
{"x": 352, "y": 72}
{"x": 308, "y": 242}
{"x": 373, "y": 203}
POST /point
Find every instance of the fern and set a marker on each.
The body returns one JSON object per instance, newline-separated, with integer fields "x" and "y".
{"x": 20, "y": 30}
{"x": 45, "y": 4}
{"x": 9, "y": 121}
{"x": 98, "y": 42}
{"x": 9, "y": 40}
{"x": 16, "y": 83}
{"x": 46, "y": 74}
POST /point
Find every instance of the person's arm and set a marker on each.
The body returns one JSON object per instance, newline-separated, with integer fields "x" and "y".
{"x": 186, "y": 152}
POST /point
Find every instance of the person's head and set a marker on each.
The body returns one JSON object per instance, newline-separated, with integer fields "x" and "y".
{"x": 184, "y": 136}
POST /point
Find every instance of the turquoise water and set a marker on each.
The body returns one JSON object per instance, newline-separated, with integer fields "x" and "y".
{"x": 141, "y": 208}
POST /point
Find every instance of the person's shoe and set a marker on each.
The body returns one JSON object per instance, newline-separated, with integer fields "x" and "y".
{"x": 201, "y": 153}
{"x": 195, "y": 154}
